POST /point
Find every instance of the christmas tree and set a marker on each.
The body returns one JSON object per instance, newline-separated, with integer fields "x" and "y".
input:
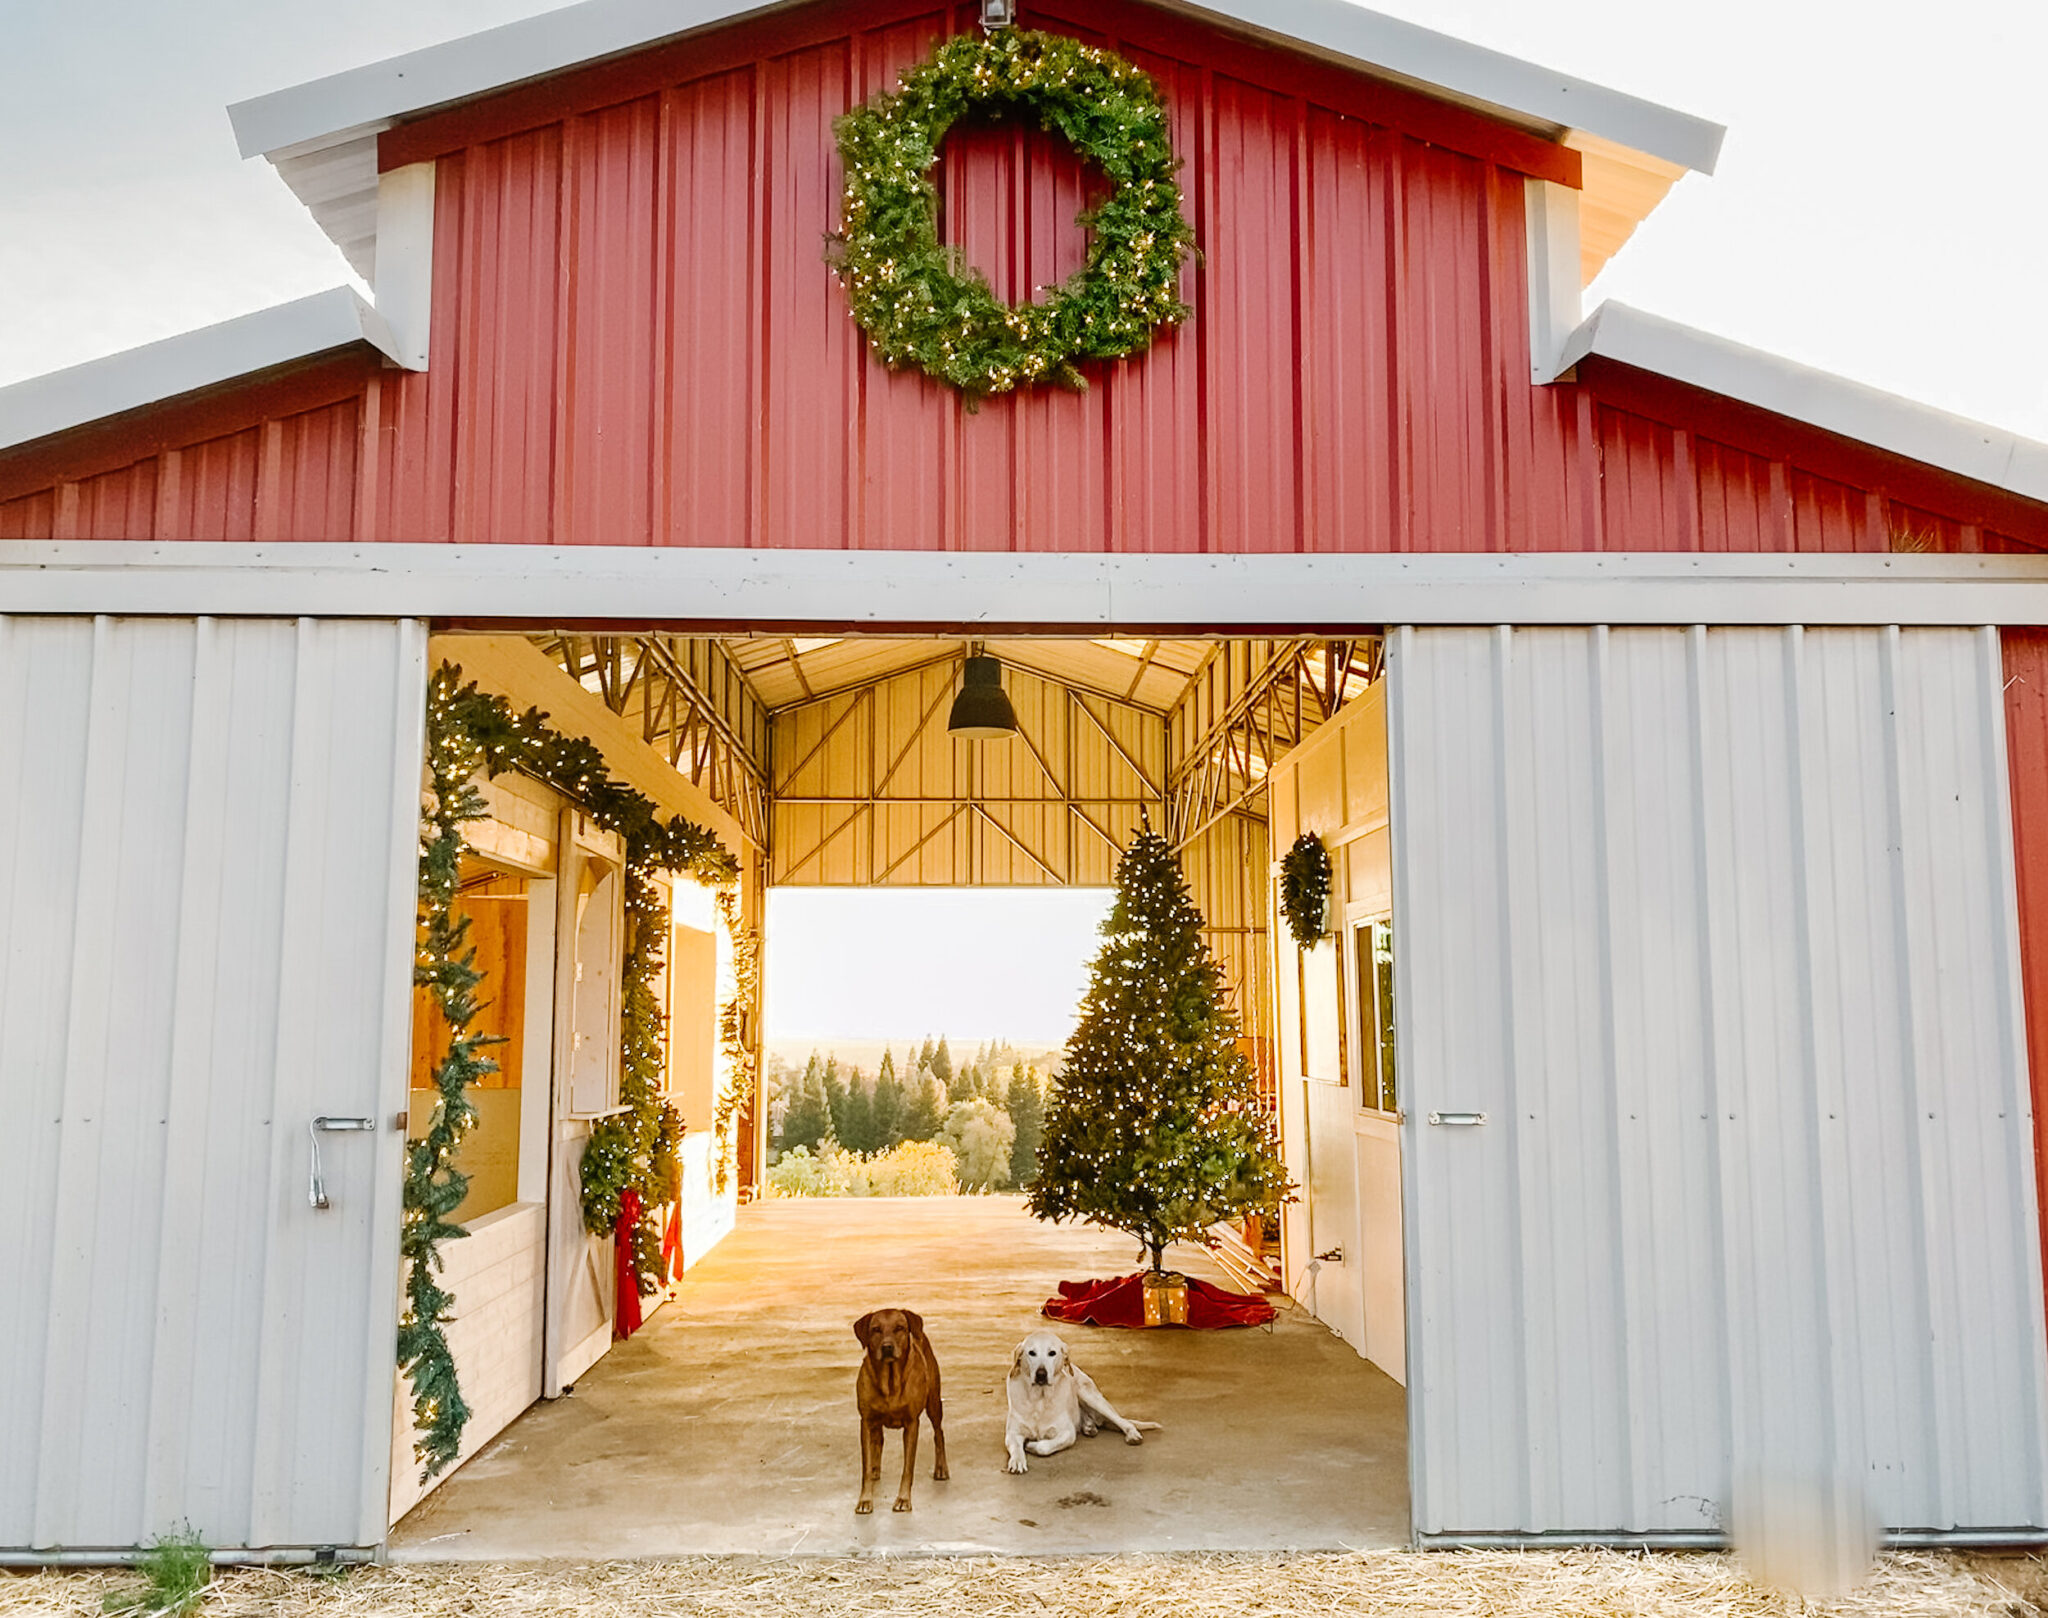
{"x": 1156, "y": 1128}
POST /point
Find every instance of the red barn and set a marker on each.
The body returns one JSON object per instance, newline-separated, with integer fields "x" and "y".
{"x": 1676, "y": 718}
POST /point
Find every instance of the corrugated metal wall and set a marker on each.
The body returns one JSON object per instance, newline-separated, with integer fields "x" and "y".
{"x": 1717, "y": 927}
{"x": 869, "y": 790}
{"x": 636, "y": 340}
{"x": 207, "y": 852}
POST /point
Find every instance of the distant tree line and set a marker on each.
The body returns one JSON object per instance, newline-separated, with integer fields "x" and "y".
{"x": 989, "y": 1110}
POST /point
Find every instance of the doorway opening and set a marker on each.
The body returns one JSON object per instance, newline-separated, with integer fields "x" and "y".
{"x": 829, "y": 764}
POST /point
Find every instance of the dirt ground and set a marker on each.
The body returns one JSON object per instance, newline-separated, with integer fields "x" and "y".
{"x": 1397, "y": 1584}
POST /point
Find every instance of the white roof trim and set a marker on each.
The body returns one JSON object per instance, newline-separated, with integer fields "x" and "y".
{"x": 372, "y": 97}
{"x": 1853, "y": 410}
{"x": 188, "y": 362}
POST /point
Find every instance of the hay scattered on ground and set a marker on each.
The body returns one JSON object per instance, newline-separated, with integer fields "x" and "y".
{"x": 1384, "y": 1584}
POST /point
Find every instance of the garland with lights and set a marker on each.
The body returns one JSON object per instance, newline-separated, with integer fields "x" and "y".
{"x": 434, "y": 1188}
{"x": 1305, "y": 889}
{"x": 1156, "y": 1128}
{"x": 736, "y": 1033}
{"x": 921, "y": 305}
{"x": 634, "y": 1150}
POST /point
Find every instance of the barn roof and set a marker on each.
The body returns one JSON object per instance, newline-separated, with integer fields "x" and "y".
{"x": 322, "y": 136}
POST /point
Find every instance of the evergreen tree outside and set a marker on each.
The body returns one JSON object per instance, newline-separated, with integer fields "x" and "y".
{"x": 1025, "y": 1103}
{"x": 887, "y": 1107}
{"x": 857, "y": 1129}
{"x": 809, "y": 1118}
{"x": 1156, "y": 1128}
{"x": 924, "y": 1110}
{"x": 942, "y": 1065}
{"x": 835, "y": 1094}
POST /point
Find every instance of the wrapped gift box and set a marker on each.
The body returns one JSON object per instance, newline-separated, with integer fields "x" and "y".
{"x": 1166, "y": 1300}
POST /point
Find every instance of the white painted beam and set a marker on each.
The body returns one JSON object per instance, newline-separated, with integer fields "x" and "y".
{"x": 404, "y": 262}
{"x": 806, "y": 591}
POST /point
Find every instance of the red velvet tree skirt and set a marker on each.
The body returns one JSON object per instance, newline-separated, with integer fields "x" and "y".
{"x": 1121, "y": 1302}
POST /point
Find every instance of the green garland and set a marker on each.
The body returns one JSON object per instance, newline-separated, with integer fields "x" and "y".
{"x": 434, "y": 1187}
{"x": 921, "y": 306}
{"x": 1305, "y": 889}
{"x": 736, "y": 1033}
{"x": 468, "y": 729}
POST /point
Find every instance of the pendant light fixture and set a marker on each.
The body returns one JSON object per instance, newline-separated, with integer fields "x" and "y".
{"x": 981, "y": 711}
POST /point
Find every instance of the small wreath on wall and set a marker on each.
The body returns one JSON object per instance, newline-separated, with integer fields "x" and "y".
{"x": 1305, "y": 889}
{"x": 920, "y": 305}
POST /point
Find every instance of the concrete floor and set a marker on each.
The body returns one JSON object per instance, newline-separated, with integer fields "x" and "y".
{"x": 727, "y": 1424}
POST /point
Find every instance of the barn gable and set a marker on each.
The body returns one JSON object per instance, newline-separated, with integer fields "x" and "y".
{"x": 607, "y": 276}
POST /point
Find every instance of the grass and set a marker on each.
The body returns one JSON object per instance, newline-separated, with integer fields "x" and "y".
{"x": 175, "y": 1569}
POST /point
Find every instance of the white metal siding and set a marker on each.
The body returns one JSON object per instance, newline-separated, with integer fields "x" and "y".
{"x": 1718, "y": 928}
{"x": 207, "y": 850}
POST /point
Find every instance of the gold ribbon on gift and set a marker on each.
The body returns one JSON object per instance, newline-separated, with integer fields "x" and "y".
{"x": 1166, "y": 1299}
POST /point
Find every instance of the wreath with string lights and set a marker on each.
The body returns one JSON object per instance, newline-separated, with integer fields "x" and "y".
{"x": 1305, "y": 889}
{"x": 922, "y": 305}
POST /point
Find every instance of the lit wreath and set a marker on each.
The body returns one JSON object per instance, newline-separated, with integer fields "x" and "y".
{"x": 920, "y": 305}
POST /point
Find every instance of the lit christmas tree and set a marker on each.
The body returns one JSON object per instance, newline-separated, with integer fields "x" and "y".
{"x": 1156, "y": 1128}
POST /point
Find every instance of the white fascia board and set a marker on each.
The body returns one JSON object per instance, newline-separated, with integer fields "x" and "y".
{"x": 463, "y": 69}
{"x": 186, "y": 363}
{"x": 808, "y": 591}
{"x": 1820, "y": 399}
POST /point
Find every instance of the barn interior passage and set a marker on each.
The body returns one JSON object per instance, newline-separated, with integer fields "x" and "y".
{"x": 833, "y": 761}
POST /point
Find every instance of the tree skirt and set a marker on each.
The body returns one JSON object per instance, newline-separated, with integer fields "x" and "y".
{"x": 1121, "y": 1302}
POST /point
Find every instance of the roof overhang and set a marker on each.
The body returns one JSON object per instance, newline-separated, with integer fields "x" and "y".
{"x": 190, "y": 363}
{"x": 322, "y": 136}
{"x": 1969, "y": 449}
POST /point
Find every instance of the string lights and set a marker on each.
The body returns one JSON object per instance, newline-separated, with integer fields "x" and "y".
{"x": 921, "y": 305}
{"x": 467, "y": 730}
{"x": 1156, "y": 1128}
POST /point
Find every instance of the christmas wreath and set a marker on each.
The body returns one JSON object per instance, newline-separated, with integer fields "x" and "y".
{"x": 1305, "y": 888}
{"x": 920, "y": 305}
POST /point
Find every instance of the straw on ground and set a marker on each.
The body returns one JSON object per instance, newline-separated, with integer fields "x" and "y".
{"x": 1384, "y": 1584}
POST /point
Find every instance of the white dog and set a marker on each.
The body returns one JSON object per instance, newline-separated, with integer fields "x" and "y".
{"x": 1053, "y": 1402}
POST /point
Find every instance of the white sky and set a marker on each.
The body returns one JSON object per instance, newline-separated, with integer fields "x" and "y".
{"x": 902, "y": 963}
{"x": 1877, "y": 211}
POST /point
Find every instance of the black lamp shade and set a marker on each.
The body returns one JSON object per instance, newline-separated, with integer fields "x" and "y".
{"x": 982, "y": 711}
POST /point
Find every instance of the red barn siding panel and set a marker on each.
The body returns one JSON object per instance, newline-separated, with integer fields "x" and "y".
{"x": 1249, "y": 312}
{"x": 1346, "y": 318}
{"x": 810, "y": 371}
{"x": 1443, "y": 385}
{"x": 29, "y": 516}
{"x": 905, "y": 495}
{"x": 712, "y": 359}
{"x": 2026, "y": 737}
{"x": 1156, "y": 428}
{"x": 500, "y": 335}
{"x": 605, "y": 455}
{"x": 120, "y": 505}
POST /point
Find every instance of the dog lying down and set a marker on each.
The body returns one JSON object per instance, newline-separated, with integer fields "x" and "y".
{"x": 1053, "y": 1402}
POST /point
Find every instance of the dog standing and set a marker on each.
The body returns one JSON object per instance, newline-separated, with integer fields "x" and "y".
{"x": 1053, "y": 1402}
{"x": 898, "y": 1382}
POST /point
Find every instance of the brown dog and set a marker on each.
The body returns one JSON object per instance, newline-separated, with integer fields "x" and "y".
{"x": 898, "y": 1382}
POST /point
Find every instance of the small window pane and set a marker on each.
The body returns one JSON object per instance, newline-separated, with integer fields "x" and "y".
{"x": 1383, "y": 979}
{"x": 1368, "y": 1025}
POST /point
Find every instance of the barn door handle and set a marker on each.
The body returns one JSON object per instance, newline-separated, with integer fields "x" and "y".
{"x": 1458, "y": 1118}
{"x": 316, "y": 1191}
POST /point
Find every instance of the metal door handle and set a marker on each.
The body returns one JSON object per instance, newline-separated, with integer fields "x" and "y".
{"x": 316, "y": 1191}
{"x": 1460, "y": 1118}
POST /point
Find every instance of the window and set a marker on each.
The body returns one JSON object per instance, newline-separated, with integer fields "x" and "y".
{"x": 1372, "y": 946}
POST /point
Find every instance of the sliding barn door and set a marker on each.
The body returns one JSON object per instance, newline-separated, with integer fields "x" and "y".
{"x": 208, "y": 857}
{"x": 1707, "y": 977}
